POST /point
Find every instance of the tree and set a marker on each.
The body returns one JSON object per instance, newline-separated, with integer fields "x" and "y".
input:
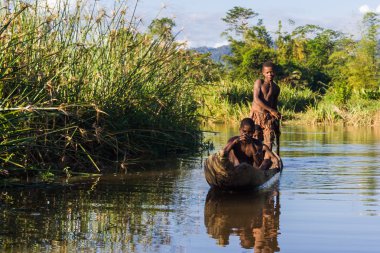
{"x": 162, "y": 27}
{"x": 353, "y": 66}
{"x": 253, "y": 46}
{"x": 237, "y": 20}
{"x": 363, "y": 67}
{"x": 306, "y": 51}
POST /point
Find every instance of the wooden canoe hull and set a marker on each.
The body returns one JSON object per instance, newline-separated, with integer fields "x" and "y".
{"x": 220, "y": 173}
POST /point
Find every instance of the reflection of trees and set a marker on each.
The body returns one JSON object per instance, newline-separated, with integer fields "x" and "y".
{"x": 327, "y": 134}
{"x": 123, "y": 215}
{"x": 254, "y": 217}
{"x": 342, "y": 154}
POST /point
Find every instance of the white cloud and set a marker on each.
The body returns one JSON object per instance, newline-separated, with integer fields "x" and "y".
{"x": 54, "y": 3}
{"x": 197, "y": 29}
{"x": 219, "y": 44}
{"x": 364, "y": 9}
{"x": 54, "y": 6}
{"x": 378, "y": 9}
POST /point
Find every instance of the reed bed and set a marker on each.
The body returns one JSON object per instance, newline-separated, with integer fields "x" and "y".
{"x": 230, "y": 100}
{"x": 83, "y": 89}
{"x": 356, "y": 112}
{"x": 226, "y": 101}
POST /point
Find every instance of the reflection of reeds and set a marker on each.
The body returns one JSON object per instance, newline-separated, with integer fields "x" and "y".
{"x": 79, "y": 86}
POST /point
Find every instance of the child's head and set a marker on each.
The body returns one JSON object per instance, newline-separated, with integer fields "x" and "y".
{"x": 247, "y": 127}
{"x": 268, "y": 70}
{"x": 247, "y": 122}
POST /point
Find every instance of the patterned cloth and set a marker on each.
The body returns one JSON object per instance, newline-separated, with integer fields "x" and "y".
{"x": 270, "y": 126}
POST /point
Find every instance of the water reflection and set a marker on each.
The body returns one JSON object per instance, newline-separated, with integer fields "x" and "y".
{"x": 107, "y": 214}
{"x": 330, "y": 185}
{"x": 254, "y": 218}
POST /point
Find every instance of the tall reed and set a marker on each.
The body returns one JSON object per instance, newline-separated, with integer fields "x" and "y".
{"x": 225, "y": 101}
{"x": 356, "y": 112}
{"x": 230, "y": 100}
{"x": 83, "y": 87}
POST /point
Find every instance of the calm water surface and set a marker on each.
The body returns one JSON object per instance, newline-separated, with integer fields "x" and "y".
{"x": 328, "y": 200}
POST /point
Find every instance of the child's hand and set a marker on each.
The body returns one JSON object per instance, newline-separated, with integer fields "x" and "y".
{"x": 275, "y": 114}
{"x": 245, "y": 138}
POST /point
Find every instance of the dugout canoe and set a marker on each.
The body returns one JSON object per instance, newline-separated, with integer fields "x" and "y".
{"x": 221, "y": 174}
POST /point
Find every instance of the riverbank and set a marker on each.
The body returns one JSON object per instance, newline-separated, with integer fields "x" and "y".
{"x": 86, "y": 91}
{"x": 230, "y": 101}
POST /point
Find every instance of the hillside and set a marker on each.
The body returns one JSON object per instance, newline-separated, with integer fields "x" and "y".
{"x": 216, "y": 53}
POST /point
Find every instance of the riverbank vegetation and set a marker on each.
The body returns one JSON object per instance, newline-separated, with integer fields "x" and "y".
{"x": 325, "y": 76}
{"x": 82, "y": 88}
{"x": 86, "y": 89}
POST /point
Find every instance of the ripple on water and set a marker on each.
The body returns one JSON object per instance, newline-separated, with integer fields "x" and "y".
{"x": 328, "y": 200}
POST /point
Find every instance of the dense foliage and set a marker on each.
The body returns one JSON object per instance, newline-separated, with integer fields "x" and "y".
{"x": 318, "y": 68}
{"x": 84, "y": 89}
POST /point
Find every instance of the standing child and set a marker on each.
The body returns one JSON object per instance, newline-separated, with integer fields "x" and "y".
{"x": 264, "y": 106}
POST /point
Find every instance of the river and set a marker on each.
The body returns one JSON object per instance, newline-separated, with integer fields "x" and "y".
{"x": 327, "y": 200}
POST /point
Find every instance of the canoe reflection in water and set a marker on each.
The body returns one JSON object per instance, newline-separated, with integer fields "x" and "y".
{"x": 254, "y": 217}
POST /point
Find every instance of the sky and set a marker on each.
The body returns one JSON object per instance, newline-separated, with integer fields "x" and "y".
{"x": 199, "y": 22}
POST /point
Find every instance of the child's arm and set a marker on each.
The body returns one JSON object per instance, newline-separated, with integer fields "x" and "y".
{"x": 230, "y": 144}
{"x": 269, "y": 155}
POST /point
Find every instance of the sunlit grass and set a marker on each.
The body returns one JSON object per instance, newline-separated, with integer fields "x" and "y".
{"x": 82, "y": 87}
{"x": 356, "y": 112}
{"x": 230, "y": 101}
{"x": 225, "y": 101}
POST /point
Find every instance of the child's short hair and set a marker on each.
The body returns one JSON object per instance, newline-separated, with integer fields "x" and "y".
{"x": 268, "y": 64}
{"x": 247, "y": 122}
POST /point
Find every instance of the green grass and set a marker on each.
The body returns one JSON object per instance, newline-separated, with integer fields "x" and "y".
{"x": 356, "y": 112}
{"x": 225, "y": 101}
{"x": 83, "y": 88}
{"x": 230, "y": 101}
{"x": 293, "y": 101}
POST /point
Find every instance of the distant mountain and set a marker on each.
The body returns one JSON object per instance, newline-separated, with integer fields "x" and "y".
{"x": 216, "y": 53}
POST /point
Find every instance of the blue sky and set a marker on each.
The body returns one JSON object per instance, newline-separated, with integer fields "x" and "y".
{"x": 201, "y": 24}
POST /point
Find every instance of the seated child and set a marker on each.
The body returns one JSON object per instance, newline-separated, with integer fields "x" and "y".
{"x": 247, "y": 149}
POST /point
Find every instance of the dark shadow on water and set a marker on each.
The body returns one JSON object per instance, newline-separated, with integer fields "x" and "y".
{"x": 253, "y": 217}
